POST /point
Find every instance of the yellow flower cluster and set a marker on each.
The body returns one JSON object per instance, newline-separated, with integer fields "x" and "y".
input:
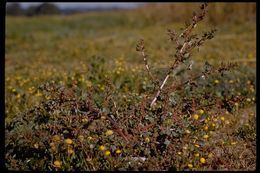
{"x": 68, "y": 141}
{"x": 56, "y": 138}
{"x": 201, "y": 111}
{"x": 70, "y": 151}
{"x": 109, "y": 132}
{"x": 57, "y": 163}
{"x": 102, "y": 148}
{"x": 107, "y": 153}
{"x": 216, "y": 81}
{"x": 147, "y": 140}
{"x": 196, "y": 116}
{"x": 118, "y": 151}
{"x": 202, "y": 160}
{"x": 206, "y": 136}
{"x": 36, "y": 145}
{"x": 190, "y": 165}
{"x": 81, "y": 138}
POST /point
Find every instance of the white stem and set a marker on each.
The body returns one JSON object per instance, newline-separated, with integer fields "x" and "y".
{"x": 159, "y": 91}
{"x": 183, "y": 47}
{"x": 146, "y": 65}
{"x": 165, "y": 80}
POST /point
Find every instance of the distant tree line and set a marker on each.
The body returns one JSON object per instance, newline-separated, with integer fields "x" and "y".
{"x": 15, "y": 9}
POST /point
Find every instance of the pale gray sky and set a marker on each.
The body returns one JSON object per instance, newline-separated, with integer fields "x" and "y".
{"x": 87, "y": 4}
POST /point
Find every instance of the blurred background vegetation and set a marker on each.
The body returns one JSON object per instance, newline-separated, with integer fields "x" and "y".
{"x": 158, "y": 12}
{"x": 219, "y": 12}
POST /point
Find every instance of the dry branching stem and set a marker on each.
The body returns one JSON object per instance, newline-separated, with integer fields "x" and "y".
{"x": 182, "y": 50}
{"x": 140, "y": 47}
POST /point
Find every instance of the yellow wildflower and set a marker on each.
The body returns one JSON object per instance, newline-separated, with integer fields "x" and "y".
{"x": 222, "y": 118}
{"x": 107, "y": 153}
{"x": 190, "y": 165}
{"x": 70, "y": 151}
{"x": 118, "y": 151}
{"x": 201, "y": 111}
{"x": 36, "y": 145}
{"x": 68, "y": 141}
{"x": 197, "y": 155}
{"x": 206, "y": 136}
{"x": 102, "y": 148}
{"x": 196, "y": 145}
{"x": 84, "y": 120}
{"x": 206, "y": 128}
{"x": 81, "y": 138}
{"x": 56, "y": 138}
{"x": 109, "y": 132}
{"x": 196, "y": 116}
{"x": 147, "y": 140}
{"x": 202, "y": 160}
{"x": 216, "y": 81}
{"x": 57, "y": 163}
{"x": 102, "y": 88}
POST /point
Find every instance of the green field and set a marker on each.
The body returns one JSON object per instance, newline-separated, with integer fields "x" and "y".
{"x": 91, "y": 59}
